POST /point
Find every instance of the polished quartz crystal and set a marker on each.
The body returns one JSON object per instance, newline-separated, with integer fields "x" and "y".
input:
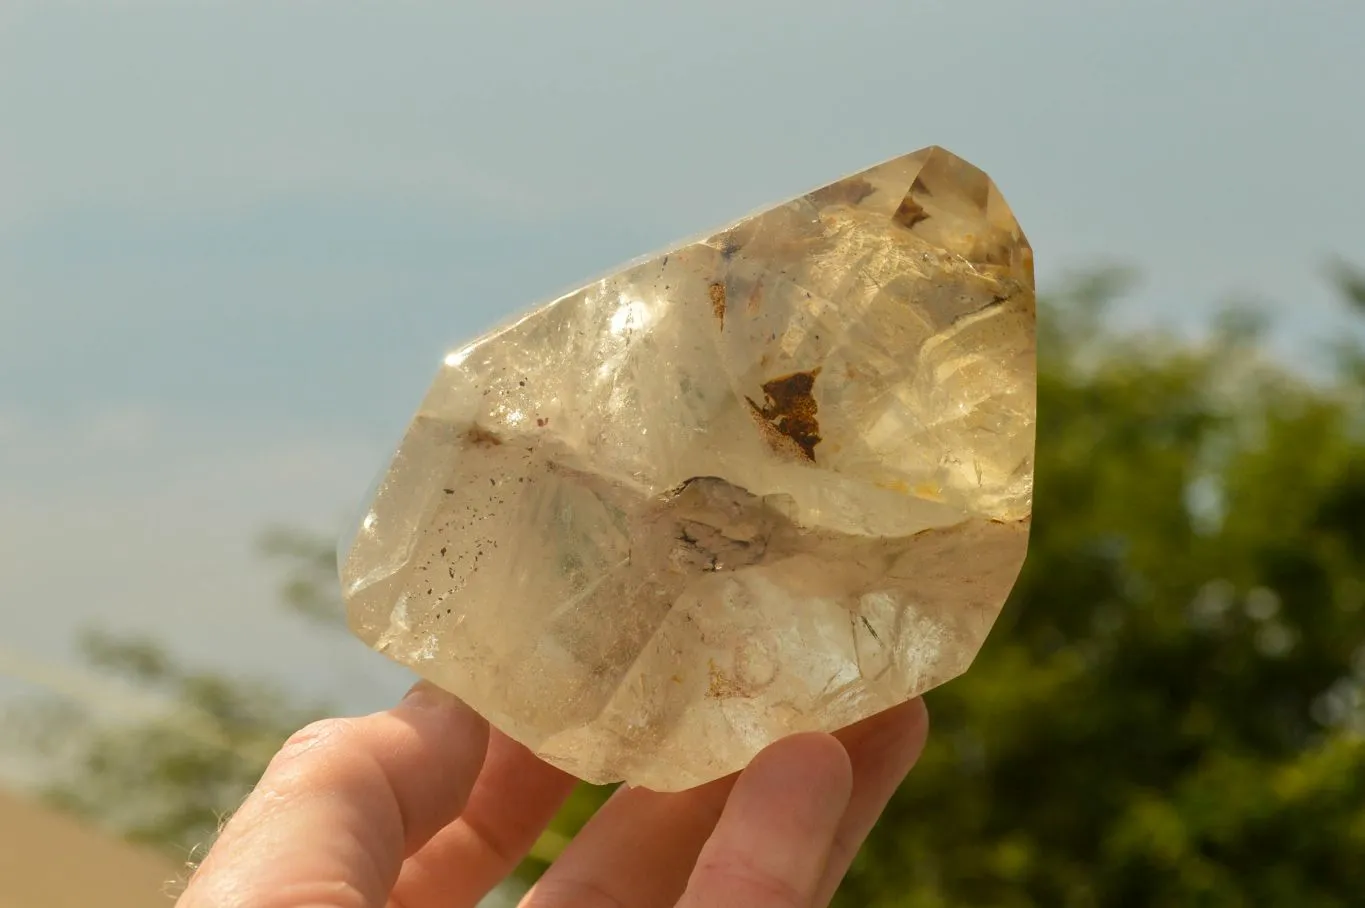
{"x": 774, "y": 480}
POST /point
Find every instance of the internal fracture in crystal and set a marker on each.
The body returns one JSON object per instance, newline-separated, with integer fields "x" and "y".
{"x": 774, "y": 480}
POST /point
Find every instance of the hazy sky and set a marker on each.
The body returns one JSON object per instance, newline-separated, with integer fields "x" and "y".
{"x": 236, "y": 237}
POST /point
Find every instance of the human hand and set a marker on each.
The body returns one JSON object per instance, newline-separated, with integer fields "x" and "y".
{"x": 422, "y": 806}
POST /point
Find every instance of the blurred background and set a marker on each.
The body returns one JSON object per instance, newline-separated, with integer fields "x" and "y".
{"x": 236, "y": 239}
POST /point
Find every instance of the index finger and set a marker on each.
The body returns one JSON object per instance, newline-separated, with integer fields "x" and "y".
{"x": 342, "y": 804}
{"x": 774, "y": 839}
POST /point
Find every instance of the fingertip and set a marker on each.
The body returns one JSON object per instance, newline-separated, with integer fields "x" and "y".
{"x": 774, "y": 838}
{"x": 425, "y": 695}
{"x": 449, "y": 745}
{"x": 814, "y": 764}
{"x": 904, "y": 726}
{"x": 882, "y": 748}
{"x": 345, "y": 801}
{"x": 808, "y": 758}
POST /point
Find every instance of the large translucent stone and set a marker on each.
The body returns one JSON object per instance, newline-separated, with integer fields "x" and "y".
{"x": 773, "y": 480}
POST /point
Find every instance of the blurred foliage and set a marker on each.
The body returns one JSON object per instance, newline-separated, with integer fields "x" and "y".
{"x": 1170, "y": 711}
{"x": 171, "y": 773}
{"x": 309, "y": 587}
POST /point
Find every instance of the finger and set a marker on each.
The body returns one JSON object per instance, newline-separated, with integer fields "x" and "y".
{"x": 637, "y": 850}
{"x": 882, "y": 750}
{"x": 772, "y": 843}
{"x": 341, "y": 805}
{"x": 511, "y": 804}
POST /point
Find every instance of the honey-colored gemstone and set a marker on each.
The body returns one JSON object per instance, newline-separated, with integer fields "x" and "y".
{"x": 775, "y": 480}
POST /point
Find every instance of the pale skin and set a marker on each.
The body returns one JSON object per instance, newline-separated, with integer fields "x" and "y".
{"x": 423, "y": 806}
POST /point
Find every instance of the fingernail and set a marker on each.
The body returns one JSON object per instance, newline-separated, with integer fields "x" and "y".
{"x": 424, "y": 694}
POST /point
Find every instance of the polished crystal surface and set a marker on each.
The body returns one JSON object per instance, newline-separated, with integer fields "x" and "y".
{"x": 773, "y": 480}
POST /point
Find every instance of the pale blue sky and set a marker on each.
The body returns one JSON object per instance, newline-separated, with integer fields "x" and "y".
{"x": 236, "y": 237}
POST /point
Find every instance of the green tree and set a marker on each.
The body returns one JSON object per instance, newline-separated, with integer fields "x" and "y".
{"x": 1171, "y": 710}
{"x": 170, "y": 777}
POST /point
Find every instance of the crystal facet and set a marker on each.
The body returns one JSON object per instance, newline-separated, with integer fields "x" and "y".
{"x": 774, "y": 480}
